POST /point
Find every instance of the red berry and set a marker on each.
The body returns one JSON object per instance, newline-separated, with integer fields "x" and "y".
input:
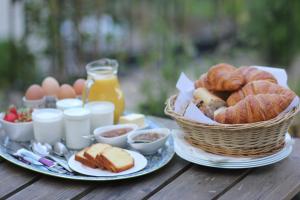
{"x": 13, "y": 109}
{"x": 10, "y": 117}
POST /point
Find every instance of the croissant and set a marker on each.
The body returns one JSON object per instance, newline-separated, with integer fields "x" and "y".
{"x": 257, "y": 87}
{"x": 254, "y": 108}
{"x": 202, "y": 82}
{"x": 224, "y": 77}
{"x": 253, "y": 74}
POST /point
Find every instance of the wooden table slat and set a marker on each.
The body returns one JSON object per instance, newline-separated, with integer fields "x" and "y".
{"x": 52, "y": 188}
{"x": 13, "y": 177}
{"x": 279, "y": 181}
{"x": 139, "y": 188}
{"x": 200, "y": 183}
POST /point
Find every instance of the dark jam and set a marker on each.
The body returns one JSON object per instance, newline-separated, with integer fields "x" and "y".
{"x": 148, "y": 137}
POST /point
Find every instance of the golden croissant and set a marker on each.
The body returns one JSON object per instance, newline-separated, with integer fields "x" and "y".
{"x": 253, "y": 74}
{"x": 254, "y": 108}
{"x": 202, "y": 82}
{"x": 224, "y": 77}
{"x": 257, "y": 87}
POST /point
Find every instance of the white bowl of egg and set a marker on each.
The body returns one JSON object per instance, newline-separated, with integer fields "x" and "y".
{"x": 37, "y": 96}
{"x": 34, "y": 97}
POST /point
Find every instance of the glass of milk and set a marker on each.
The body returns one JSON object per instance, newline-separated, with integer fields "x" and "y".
{"x": 68, "y": 103}
{"x": 47, "y": 125}
{"x": 77, "y": 125}
{"x": 102, "y": 113}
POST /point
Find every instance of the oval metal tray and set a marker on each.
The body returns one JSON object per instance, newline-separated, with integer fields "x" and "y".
{"x": 155, "y": 162}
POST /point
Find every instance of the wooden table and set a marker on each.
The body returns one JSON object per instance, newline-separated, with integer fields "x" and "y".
{"x": 178, "y": 180}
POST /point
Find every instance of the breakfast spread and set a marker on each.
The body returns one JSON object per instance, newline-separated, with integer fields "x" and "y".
{"x": 75, "y": 116}
{"x": 251, "y": 95}
{"x": 134, "y": 118}
{"x": 116, "y": 132}
{"x": 105, "y": 157}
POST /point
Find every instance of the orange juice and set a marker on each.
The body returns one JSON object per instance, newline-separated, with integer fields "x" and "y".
{"x": 103, "y": 85}
{"x": 108, "y": 89}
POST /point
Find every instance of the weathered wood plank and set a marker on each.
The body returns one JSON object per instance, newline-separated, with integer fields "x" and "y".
{"x": 52, "y": 188}
{"x": 279, "y": 181}
{"x": 200, "y": 183}
{"x": 12, "y": 178}
{"x": 141, "y": 187}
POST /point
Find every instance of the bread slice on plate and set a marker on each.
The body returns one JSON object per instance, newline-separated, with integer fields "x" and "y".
{"x": 91, "y": 152}
{"x": 83, "y": 160}
{"x": 115, "y": 159}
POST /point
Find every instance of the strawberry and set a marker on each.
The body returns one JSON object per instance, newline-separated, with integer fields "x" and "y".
{"x": 10, "y": 117}
{"x": 13, "y": 109}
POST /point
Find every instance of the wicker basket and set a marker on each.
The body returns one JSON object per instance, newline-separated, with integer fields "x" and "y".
{"x": 239, "y": 140}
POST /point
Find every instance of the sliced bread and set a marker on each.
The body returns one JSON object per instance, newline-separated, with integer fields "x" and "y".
{"x": 82, "y": 159}
{"x": 91, "y": 152}
{"x": 115, "y": 159}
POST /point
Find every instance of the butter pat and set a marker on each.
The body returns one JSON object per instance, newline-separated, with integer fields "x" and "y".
{"x": 137, "y": 119}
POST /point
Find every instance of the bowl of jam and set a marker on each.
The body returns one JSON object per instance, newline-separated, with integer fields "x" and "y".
{"x": 115, "y": 135}
{"x": 148, "y": 141}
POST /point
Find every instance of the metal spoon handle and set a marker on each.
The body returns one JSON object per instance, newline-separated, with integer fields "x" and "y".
{"x": 90, "y": 137}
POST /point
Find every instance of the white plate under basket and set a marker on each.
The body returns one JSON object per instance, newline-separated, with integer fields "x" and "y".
{"x": 187, "y": 152}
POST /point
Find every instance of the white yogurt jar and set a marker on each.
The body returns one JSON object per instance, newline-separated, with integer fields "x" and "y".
{"x": 102, "y": 113}
{"x": 77, "y": 125}
{"x": 47, "y": 125}
{"x": 68, "y": 103}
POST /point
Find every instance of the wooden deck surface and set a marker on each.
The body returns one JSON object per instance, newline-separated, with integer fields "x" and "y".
{"x": 178, "y": 180}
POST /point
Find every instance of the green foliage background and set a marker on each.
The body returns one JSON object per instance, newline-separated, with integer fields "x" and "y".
{"x": 170, "y": 36}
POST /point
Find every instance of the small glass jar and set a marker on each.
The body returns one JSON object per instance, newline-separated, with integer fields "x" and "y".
{"x": 68, "y": 103}
{"x": 102, "y": 113}
{"x": 47, "y": 125}
{"x": 77, "y": 125}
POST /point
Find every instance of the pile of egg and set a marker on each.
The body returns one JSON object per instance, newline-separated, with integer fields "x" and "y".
{"x": 51, "y": 87}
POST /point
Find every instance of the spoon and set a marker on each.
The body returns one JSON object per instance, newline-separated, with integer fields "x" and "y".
{"x": 141, "y": 141}
{"x": 61, "y": 150}
{"x": 41, "y": 149}
{"x": 45, "y": 150}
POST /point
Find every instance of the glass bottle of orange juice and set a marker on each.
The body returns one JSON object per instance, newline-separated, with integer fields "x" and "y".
{"x": 103, "y": 85}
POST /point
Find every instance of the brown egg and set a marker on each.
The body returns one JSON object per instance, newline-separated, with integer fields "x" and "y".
{"x": 50, "y": 86}
{"x": 66, "y": 91}
{"x": 78, "y": 86}
{"x": 34, "y": 92}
